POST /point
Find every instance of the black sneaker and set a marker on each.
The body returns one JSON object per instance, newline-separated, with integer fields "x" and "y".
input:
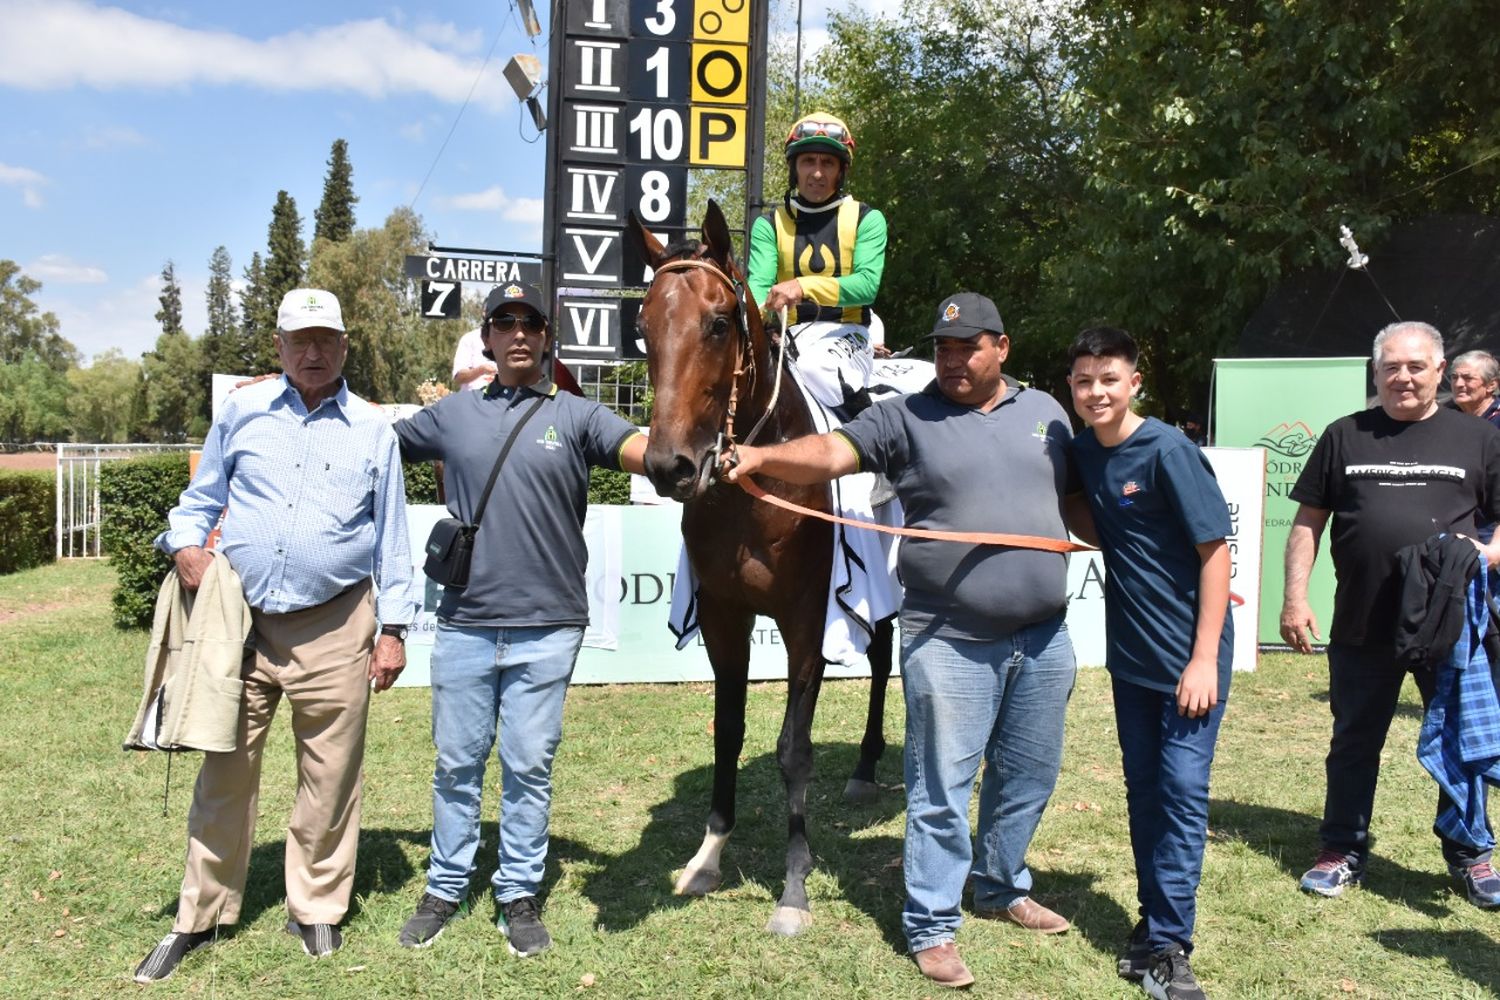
{"x": 424, "y": 927}
{"x": 521, "y": 923}
{"x": 1170, "y": 977}
{"x": 1137, "y": 958}
{"x": 165, "y": 957}
{"x": 318, "y": 940}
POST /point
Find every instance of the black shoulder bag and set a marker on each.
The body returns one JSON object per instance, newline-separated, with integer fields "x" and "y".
{"x": 450, "y": 547}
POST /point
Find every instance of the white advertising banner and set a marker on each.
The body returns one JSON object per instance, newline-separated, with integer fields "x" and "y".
{"x": 633, "y": 564}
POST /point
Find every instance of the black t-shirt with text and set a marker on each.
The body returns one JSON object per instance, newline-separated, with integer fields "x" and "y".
{"x": 1389, "y": 484}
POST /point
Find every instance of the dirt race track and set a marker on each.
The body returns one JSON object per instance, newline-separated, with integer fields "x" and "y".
{"x": 28, "y": 460}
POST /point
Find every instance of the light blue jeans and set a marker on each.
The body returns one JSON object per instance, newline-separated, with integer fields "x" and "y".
{"x": 1001, "y": 701}
{"x": 481, "y": 676}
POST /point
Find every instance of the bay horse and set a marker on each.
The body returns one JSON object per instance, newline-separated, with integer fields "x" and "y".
{"x": 710, "y": 364}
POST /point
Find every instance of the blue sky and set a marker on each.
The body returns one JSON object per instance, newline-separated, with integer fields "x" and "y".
{"x": 139, "y": 132}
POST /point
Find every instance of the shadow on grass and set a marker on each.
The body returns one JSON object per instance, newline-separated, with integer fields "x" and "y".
{"x": 1290, "y": 839}
{"x": 628, "y": 887}
{"x": 382, "y": 867}
{"x": 1404, "y": 709}
{"x": 1468, "y": 953}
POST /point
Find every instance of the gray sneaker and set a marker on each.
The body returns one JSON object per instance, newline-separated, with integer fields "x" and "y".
{"x": 424, "y": 927}
{"x": 521, "y": 923}
{"x": 1170, "y": 977}
{"x": 1137, "y": 958}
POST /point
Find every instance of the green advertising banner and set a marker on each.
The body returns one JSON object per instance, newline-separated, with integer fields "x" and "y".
{"x": 1283, "y": 405}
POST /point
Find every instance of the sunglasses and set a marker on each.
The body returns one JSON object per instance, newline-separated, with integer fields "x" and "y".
{"x": 507, "y": 322}
{"x": 807, "y": 130}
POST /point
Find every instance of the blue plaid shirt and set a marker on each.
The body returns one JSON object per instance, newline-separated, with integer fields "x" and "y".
{"x": 316, "y": 500}
{"x": 1459, "y": 743}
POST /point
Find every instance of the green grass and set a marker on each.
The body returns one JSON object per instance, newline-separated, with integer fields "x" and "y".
{"x": 89, "y": 867}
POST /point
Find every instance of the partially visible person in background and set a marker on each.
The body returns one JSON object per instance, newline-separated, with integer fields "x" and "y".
{"x": 1475, "y": 378}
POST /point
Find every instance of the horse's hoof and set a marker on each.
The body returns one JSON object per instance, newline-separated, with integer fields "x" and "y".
{"x": 788, "y": 921}
{"x": 861, "y": 792}
{"x": 697, "y": 883}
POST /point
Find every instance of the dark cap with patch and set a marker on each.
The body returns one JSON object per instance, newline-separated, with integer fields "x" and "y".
{"x": 515, "y": 291}
{"x": 965, "y": 316}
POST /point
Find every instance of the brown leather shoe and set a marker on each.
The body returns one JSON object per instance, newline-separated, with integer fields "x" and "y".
{"x": 1029, "y": 914}
{"x": 942, "y": 965}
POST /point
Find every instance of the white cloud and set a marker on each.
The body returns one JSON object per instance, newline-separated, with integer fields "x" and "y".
{"x": 415, "y": 131}
{"x": 71, "y": 43}
{"x": 29, "y": 181}
{"x": 98, "y": 317}
{"x": 112, "y": 137}
{"x": 60, "y": 269}
{"x": 494, "y": 199}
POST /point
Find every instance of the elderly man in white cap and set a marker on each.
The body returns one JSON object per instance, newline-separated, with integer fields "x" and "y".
{"x": 315, "y": 528}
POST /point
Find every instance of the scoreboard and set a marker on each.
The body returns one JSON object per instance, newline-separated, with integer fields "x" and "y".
{"x": 641, "y": 92}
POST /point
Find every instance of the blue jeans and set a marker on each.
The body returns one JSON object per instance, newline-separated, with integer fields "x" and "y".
{"x": 480, "y": 676}
{"x": 1001, "y": 701}
{"x": 1166, "y": 758}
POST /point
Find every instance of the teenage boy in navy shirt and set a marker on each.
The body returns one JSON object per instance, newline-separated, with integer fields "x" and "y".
{"x": 1161, "y": 522}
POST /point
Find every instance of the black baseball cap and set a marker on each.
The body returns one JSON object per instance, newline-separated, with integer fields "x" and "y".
{"x": 965, "y": 316}
{"x": 515, "y": 291}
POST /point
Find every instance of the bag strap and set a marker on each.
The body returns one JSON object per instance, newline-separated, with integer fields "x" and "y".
{"x": 484, "y": 498}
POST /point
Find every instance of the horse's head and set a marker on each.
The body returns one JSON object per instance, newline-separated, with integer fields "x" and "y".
{"x": 697, "y": 338}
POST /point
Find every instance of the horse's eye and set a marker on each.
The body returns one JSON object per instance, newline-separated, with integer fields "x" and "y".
{"x": 719, "y": 327}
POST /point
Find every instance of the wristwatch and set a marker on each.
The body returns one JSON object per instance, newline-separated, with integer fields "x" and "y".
{"x": 397, "y": 632}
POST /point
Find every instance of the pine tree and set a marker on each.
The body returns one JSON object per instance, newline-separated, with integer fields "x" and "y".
{"x": 170, "y": 313}
{"x": 334, "y": 219}
{"x": 219, "y": 345}
{"x": 256, "y": 352}
{"x": 286, "y": 258}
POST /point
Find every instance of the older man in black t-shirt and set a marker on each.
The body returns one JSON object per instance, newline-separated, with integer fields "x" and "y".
{"x": 1390, "y": 476}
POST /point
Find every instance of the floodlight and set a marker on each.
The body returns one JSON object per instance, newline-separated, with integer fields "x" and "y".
{"x": 524, "y": 74}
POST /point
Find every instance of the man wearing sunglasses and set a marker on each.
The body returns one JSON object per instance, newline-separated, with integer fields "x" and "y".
{"x": 820, "y": 254}
{"x": 507, "y": 641}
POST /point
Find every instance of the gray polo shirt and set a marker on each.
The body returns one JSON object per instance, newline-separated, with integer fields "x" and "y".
{"x": 529, "y": 555}
{"x": 957, "y": 468}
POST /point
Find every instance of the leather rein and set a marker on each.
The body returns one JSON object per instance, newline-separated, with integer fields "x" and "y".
{"x": 745, "y": 363}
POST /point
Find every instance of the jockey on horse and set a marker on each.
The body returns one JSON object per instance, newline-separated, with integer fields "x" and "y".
{"x": 820, "y": 254}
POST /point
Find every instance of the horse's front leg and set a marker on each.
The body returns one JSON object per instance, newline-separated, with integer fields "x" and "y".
{"x": 726, "y": 635}
{"x": 794, "y": 752}
{"x": 861, "y": 786}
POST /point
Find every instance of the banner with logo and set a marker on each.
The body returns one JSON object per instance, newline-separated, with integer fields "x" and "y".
{"x": 1283, "y": 406}
{"x": 633, "y": 565}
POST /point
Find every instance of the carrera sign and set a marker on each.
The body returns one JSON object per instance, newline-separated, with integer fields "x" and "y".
{"x": 483, "y": 270}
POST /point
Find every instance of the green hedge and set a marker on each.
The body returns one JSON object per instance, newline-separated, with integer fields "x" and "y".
{"x": 421, "y": 484}
{"x": 607, "y": 486}
{"x": 134, "y": 498}
{"x": 28, "y": 509}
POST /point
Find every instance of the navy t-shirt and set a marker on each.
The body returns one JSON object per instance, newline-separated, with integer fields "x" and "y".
{"x": 1154, "y": 498}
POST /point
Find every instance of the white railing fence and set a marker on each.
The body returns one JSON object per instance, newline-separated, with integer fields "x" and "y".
{"x": 78, "y": 510}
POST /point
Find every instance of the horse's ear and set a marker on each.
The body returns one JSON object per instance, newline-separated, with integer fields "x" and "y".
{"x": 649, "y": 246}
{"x": 716, "y": 236}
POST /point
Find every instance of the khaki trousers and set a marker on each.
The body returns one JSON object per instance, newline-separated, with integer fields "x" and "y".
{"x": 319, "y": 658}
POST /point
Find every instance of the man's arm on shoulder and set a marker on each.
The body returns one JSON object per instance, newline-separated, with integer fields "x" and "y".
{"x": 813, "y": 459}
{"x": 1297, "y": 619}
{"x": 420, "y": 436}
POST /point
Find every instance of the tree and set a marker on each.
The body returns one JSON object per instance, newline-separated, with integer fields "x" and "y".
{"x": 33, "y": 401}
{"x": 100, "y": 399}
{"x": 1223, "y": 145}
{"x": 170, "y": 297}
{"x": 24, "y": 331}
{"x": 256, "y": 351}
{"x": 334, "y": 219}
{"x": 962, "y": 144}
{"x": 391, "y": 348}
{"x": 174, "y": 389}
{"x": 286, "y": 258}
{"x": 218, "y": 348}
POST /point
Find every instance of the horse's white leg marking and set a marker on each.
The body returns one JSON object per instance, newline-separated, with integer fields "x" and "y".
{"x": 701, "y": 876}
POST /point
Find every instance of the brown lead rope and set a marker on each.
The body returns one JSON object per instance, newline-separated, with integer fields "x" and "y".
{"x": 972, "y": 537}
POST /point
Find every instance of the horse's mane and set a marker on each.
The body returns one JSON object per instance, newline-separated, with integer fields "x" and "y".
{"x": 691, "y": 250}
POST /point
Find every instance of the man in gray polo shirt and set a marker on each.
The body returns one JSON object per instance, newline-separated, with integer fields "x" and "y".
{"x": 986, "y": 663}
{"x": 507, "y": 642}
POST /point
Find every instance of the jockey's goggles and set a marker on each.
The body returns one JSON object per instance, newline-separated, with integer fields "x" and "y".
{"x": 812, "y": 129}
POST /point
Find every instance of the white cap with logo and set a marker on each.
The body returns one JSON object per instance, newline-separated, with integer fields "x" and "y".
{"x": 305, "y": 308}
